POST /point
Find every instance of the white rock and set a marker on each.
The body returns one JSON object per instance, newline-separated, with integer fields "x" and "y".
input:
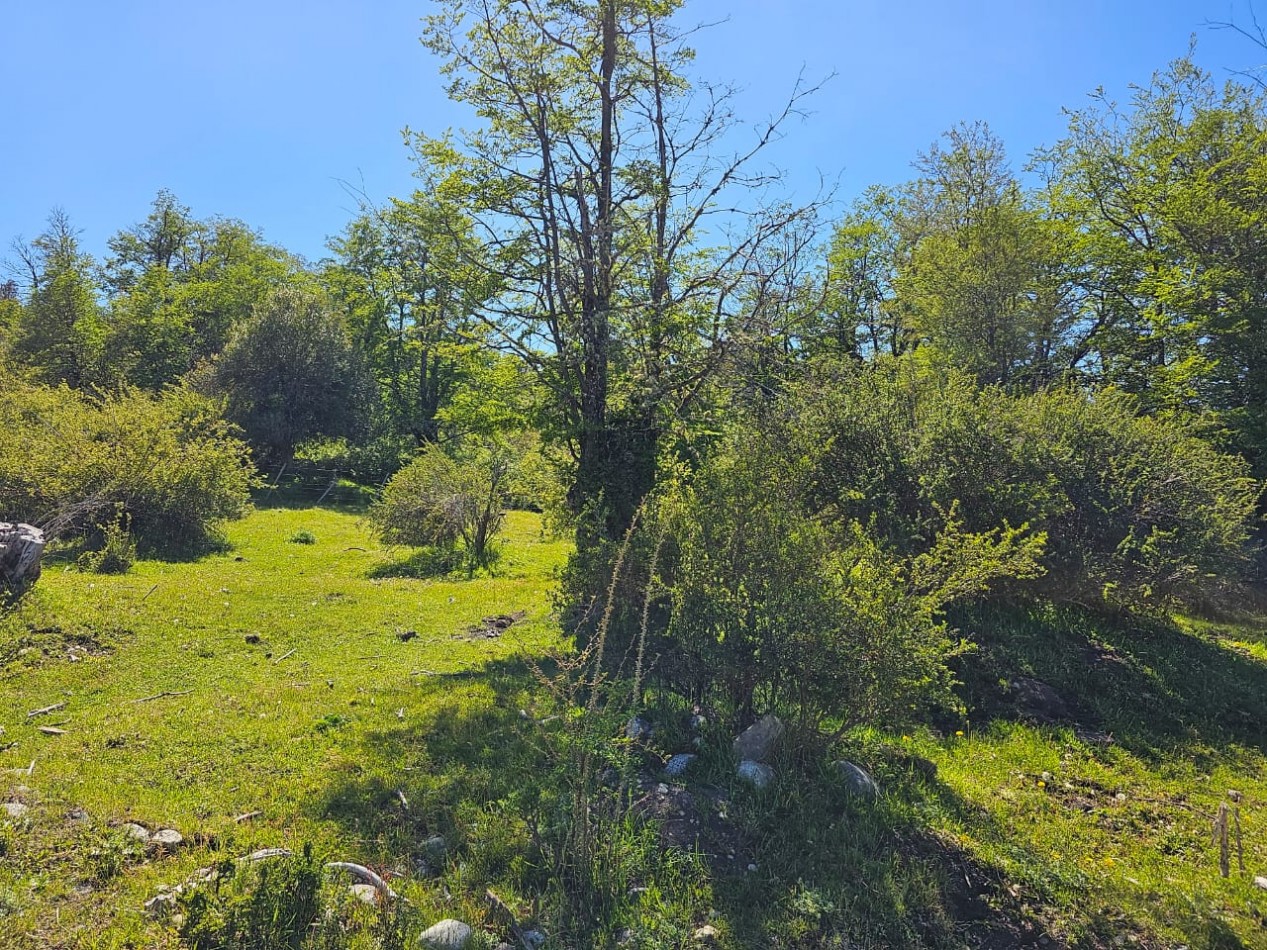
{"x": 756, "y": 774}
{"x": 637, "y": 728}
{"x": 1261, "y": 882}
{"x": 757, "y": 742}
{"x": 534, "y": 938}
{"x": 139, "y": 832}
{"x": 446, "y": 935}
{"x": 166, "y": 839}
{"x": 365, "y": 893}
{"x": 706, "y": 934}
{"x": 15, "y": 809}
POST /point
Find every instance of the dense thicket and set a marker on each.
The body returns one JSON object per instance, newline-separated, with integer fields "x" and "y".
{"x": 70, "y": 462}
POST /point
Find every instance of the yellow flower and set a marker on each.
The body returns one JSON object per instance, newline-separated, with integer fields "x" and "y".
{"x": 1041, "y": 783}
{"x": 906, "y": 738}
{"x": 1108, "y": 862}
{"x": 959, "y": 732}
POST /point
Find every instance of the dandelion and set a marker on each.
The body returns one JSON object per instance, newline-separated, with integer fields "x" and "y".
{"x": 1041, "y": 783}
{"x": 1108, "y": 862}
{"x": 906, "y": 738}
{"x": 959, "y": 733}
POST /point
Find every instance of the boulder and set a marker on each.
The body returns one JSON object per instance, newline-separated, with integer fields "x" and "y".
{"x": 758, "y": 741}
{"x": 14, "y": 809}
{"x": 136, "y": 832}
{"x": 757, "y": 774}
{"x": 857, "y": 780}
{"x": 1039, "y": 701}
{"x": 21, "y": 548}
{"x": 166, "y": 840}
{"x": 446, "y": 935}
{"x": 365, "y": 893}
{"x": 637, "y": 729}
{"x": 707, "y": 934}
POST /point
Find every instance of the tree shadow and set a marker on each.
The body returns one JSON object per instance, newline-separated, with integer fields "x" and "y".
{"x": 1154, "y": 688}
{"x": 826, "y": 869}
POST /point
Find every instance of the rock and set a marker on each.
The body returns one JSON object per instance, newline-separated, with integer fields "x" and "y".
{"x": 365, "y": 893}
{"x": 252, "y": 638}
{"x": 138, "y": 832}
{"x": 21, "y": 548}
{"x": 756, "y": 774}
{"x": 446, "y": 935}
{"x": 435, "y": 846}
{"x": 758, "y": 741}
{"x": 534, "y": 938}
{"x": 160, "y": 905}
{"x": 706, "y": 934}
{"x": 166, "y": 839}
{"x": 857, "y": 780}
{"x": 1037, "y": 700}
{"x": 679, "y": 763}
{"x": 1261, "y": 882}
{"x": 15, "y": 809}
{"x": 637, "y": 728}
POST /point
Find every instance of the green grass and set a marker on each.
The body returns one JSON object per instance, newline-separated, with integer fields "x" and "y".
{"x": 174, "y": 719}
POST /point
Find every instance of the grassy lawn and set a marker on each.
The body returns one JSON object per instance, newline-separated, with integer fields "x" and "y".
{"x": 1028, "y": 835}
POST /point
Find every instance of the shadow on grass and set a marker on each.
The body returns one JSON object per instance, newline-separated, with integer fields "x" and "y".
{"x": 1155, "y": 688}
{"x": 435, "y": 563}
{"x": 826, "y": 870}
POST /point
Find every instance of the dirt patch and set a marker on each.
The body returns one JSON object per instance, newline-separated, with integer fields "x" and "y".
{"x": 490, "y": 628}
{"x": 696, "y": 820}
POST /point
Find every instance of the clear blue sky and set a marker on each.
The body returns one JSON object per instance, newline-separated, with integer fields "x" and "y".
{"x": 257, "y": 110}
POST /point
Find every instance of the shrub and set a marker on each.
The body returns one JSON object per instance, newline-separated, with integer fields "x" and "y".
{"x": 302, "y": 537}
{"x": 169, "y": 463}
{"x": 117, "y": 551}
{"x": 440, "y": 499}
{"x": 772, "y": 606}
{"x": 1137, "y": 510}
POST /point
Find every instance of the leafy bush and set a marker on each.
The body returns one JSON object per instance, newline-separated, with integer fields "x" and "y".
{"x": 170, "y": 461}
{"x": 772, "y": 606}
{"x": 1137, "y": 510}
{"x": 302, "y": 537}
{"x": 117, "y": 551}
{"x": 440, "y": 499}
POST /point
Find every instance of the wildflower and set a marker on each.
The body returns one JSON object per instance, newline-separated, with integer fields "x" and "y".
{"x": 1108, "y": 862}
{"x": 906, "y": 738}
{"x": 959, "y": 733}
{"x": 1041, "y": 783}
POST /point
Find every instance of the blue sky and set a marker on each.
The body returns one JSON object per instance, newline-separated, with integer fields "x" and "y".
{"x": 258, "y": 110}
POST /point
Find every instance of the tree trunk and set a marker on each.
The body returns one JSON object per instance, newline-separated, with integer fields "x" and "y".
{"x": 21, "y": 547}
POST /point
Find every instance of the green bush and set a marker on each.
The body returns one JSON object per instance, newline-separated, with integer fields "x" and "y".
{"x": 169, "y": 462}
{"x": 117, "y": 551}
{"x": 442, "y": 498}
{"x": 772, "y": 607}
{"x": 1137, "y": 510}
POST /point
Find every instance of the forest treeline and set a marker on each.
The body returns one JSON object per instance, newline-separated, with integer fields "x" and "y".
{"x": 1045, "y": 380}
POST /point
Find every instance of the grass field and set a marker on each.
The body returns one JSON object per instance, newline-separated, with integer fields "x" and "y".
{"x": 1091, "y": 835}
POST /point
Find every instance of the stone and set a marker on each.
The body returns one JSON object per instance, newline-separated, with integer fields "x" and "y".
{"x": 15, "y": 809}
{"x": 756, "y": 774}
{"x": 448, "y": 934}
{"x": 679, "y": 763}
{"x": 857, "y": 780}
{"x": 1039, "y": 701}
{"x": 637, "y": 728}
{"x": 166, "y": 839}
{"x": 21, "y": 548}
{"x": 161, "y": 905}
{"x": 1261, "y": 882}
{"x": 365, "y": 893}
{"x": 135, "y": 831}
{"x": 759, "y": 740}
{"x": 706, "y": 934}
{"x": 435, "y": 846}
{"x": 534, "y": 938}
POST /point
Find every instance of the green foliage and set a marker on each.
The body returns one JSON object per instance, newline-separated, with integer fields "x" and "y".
{"x": 116, "y": 552}
{"x": 442, "y": 497}
{"x": 302, "y": 537}
{"x": 290, "y": 374}
{"x": 1135, "y": 509}
{"x": 773, "y": 605}
{"x": 270, "y": 904}
{"x": 169, "y": 463}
